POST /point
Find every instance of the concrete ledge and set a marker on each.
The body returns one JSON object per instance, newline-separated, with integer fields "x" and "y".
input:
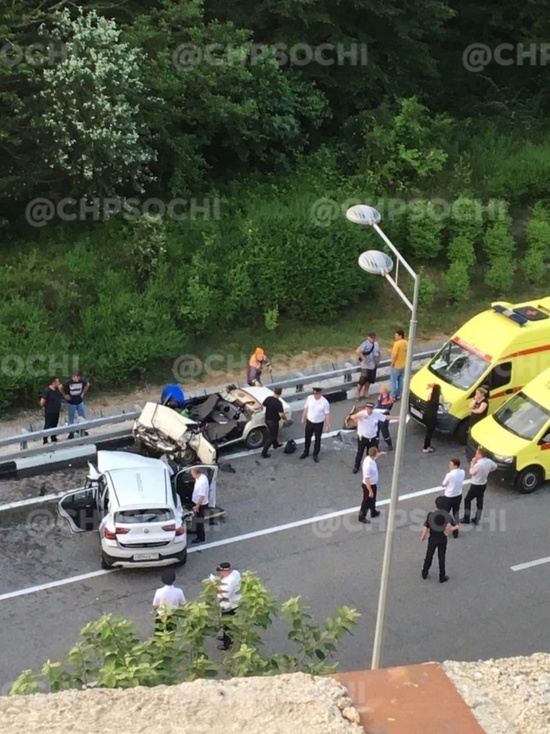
{"x": 415, "y": 699}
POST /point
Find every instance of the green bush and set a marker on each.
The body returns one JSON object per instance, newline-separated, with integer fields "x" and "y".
{"x": 466, "y": 219}
{"x": 534, "y": 267}
{"x": 461, "y": 249}
{"x": 498, "y": 241}
{"x": 537, "y": 234}
{"x": 425, "y": 229}
{"x": 457, "y": 282}
{"x": 523, "y": 175}
{"x": 499, "y": 276}
{"x": 426, "y": 290}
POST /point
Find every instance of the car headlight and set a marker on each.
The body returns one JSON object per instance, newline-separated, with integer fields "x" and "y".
{"x": 504, "y": 459}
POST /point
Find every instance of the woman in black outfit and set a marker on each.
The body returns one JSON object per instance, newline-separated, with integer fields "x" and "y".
{"x": 430, "y": 417}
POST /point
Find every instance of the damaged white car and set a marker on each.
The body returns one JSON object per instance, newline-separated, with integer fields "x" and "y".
{"x": 210, "y": 422}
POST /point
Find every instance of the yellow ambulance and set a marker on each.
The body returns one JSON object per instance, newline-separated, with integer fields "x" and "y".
{"x": 517, "y": 436}
{"x": 502, "y": 348}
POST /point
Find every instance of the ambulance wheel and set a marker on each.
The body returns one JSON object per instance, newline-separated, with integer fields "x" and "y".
{"x": 529, "y": 479}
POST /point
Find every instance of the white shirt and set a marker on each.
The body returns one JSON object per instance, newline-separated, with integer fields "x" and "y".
{"x": 480, "y": 471}
{"x": 453, "y": 482}
{"x": 200, "y": 490}
{"x": 168, "y": 598}
{"x": 370, "y": 470}
{"x": 317, "y": 409}
{"x": 229, "y": 595}
{"x": 367, "y": 425}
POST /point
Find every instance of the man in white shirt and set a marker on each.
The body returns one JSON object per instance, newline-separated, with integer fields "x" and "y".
{"x": 316, "y": 415}
{"x": 200, "y": 502}
{"x": 480, "y": 468}
{"x": 229, "y": 597}
{"x": 166, "y": 600}
{"x": 452, "y": 484}
{"x": 368, "y": 421}
{"x": 370, "y": 484}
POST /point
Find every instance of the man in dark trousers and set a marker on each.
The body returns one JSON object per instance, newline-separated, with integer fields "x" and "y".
{"x": 74, "y": 391}
{"x": 370, "y": 484}
{"x": 316, "y": 416}
{"x": 51, "y": 402}
{"x": 274, "y": 412}
{"x": 439, "y": 525}
{"x": 368, "y": 423}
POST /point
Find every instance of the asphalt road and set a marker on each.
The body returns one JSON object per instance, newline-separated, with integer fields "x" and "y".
{"x": 485, "y": 610}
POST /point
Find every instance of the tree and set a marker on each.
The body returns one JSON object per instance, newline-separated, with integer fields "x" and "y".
{"x": 111, "y": 655}
{"x": 90, "y": 124}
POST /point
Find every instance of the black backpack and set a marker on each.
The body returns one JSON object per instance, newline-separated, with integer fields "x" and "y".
{"x": 290, "y": 447}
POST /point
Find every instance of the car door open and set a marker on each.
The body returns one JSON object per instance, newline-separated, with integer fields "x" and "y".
{"x": 80, "y": 509}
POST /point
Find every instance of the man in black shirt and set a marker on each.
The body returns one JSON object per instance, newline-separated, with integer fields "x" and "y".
{"x": 51, "y": 402}
{"x": 439, "y": 524}
{"x": 74, "y": 391}
{"x": 274, "y": 412}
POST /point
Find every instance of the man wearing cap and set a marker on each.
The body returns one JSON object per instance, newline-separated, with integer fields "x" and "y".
{"x": 167, "y": 598}
{"x": 256, "y": 363}
{"x": 316, "y": 415}
{"x": 201, "y": 490}
{"x": 369, "y": 355}
{"x": 229, "y": 596}
{"x": 74, "y": 391}
{"x": 368, "y": 421}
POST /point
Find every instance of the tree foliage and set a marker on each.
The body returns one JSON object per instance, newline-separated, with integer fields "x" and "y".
{"x": 110, "y": 653}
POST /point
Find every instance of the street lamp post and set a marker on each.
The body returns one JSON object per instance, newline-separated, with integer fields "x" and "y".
{"x": 379, "y": 263}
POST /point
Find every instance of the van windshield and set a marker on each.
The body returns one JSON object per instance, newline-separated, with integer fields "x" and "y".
{"x": 458, "y": 366}
{"x": 522, "y": 416}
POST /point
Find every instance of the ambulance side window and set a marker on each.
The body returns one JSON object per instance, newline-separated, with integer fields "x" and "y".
{"x": 499, "y": 376}
{"x": 546, "y": 438}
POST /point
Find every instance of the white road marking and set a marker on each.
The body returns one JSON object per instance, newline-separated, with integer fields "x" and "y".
{"x": 226, "y": 541}
{"x": 531, "y": 564}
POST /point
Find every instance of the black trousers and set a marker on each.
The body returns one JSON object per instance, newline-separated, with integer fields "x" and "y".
{"x": 453, "y": 504}
{"x": 313, "y": 429}
{"x": 227, "y": 640}
{"x": 51, "y": 420}
{"x": 441, "y": 545}
{"x": 384, "y": 429}
{"x": 363, "y": 444}
{"x": 199, "y": 522}
{"x": 430, "y": 428}
{"x": 368, "y": 503}
{"x": 272, "y": 436}
{"x": 476, "y": 492}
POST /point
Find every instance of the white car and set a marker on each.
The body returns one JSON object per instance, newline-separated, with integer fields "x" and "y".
{"x": 138, "y": 506}
{"x": 234, "y": 415}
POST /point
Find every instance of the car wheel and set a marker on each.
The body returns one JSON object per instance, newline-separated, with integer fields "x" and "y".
{"x": 256, "y": 438}
{"x": 106, "y": 564}
{"x": 182, "y": 558}
{"x": 529, "y": 479}
{"x": 189, "y": 456}
{"x": 462, "y": 432}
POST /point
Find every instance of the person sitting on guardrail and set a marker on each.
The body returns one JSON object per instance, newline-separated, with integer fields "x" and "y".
{"x": 74, "y": 391}
{"x": 51, "y": 402}
{"x": 258, "y": 360}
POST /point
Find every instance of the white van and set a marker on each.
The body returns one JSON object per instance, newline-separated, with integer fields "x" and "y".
{"x": 134, "y": 503}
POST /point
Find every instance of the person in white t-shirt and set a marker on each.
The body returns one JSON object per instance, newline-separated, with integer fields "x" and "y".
{"x": 229, "y": 598}
{"x": 316, "y": 416}
{"x": 201, "y": 490}
{"x": 368, "y": 422}
{"x": 167, "y": 599}
{"x": 370, "y": 484}
{"x": 480, "y": 468}
{"x": 452, "y": 484}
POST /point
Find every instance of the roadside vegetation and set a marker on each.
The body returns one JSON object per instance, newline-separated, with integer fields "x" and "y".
{"x": 266, "y": 155}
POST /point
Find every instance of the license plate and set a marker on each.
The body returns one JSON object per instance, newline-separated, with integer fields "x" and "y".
{"x": 146, "y": 557}
{"x": 416, "y": 412}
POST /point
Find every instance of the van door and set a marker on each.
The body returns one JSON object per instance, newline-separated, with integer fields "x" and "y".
{"x": 80, "y": 509}
{"x": 499, "y": 382}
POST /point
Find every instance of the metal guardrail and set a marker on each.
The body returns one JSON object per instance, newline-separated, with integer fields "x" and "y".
{"x": 24, "y": 437}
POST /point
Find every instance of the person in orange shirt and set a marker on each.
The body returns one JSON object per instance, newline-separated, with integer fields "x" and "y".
{"x": 256, "y": 363}
{"x": 398, "y": 361}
